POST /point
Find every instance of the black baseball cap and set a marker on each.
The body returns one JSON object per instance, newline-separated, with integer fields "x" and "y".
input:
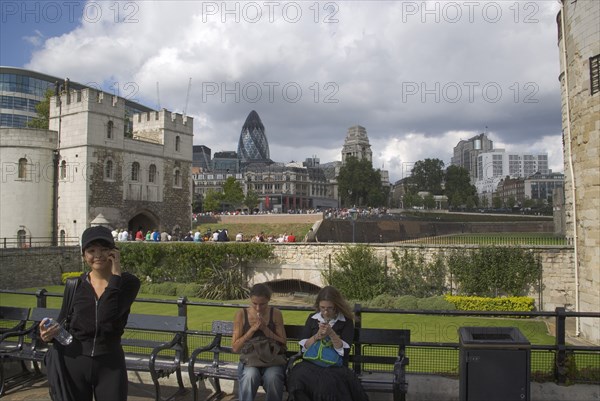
{"x": 97, "y": 233}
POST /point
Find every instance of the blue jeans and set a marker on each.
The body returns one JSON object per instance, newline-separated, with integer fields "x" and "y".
{"x": 271, "y": 379}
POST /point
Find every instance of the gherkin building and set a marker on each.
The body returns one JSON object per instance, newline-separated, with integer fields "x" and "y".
{"x": 253, "y": 146}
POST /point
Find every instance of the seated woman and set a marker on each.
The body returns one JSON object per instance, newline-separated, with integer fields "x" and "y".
{"x": 311, "y": 382}
{"x": 259, "y": 319}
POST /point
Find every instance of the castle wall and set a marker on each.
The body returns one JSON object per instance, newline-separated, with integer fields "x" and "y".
{"x": 308, "y": 262}
{"x": 92, "y": 133}
{"x": 37, "y": 267}
{"x": 26, "y": 203}
{"x": 581, "y": 119}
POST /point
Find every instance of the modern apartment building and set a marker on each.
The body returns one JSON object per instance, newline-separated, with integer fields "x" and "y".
{"x": 491, "y": 167}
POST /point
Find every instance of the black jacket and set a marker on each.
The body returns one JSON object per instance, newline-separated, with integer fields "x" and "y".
{"x": 98, "y": 324}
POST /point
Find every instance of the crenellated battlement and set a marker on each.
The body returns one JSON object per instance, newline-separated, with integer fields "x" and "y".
{"x": 162, "y": 120}
{"x": 89, "y": 96}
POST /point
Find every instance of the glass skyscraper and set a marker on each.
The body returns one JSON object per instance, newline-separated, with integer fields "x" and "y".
{"x": 253, "y": 145}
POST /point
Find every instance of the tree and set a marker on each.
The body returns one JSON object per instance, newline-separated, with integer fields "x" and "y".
{"x": 429, "y": 201}
{"x": 407, "y": 200}
{"x": 458, "y": 187}
{"x": 427, "y": 175}
{"x": 233, "y": 194}
{"x": 43, "y": 112}
{"x": 484, "y": 201}
{"x": 511, "y": 201}
{"x": 251, "y": 200}
{"x": 359, "y": 184}
{"x": 212, "y": 201}
{"x": 496, "y": 202}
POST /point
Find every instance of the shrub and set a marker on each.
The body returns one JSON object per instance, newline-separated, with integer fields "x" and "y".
{"x": 414, "y": 276}
{"x": 384, "y": 301}
{"x": 185, "y": 262}
{"x": 435, "y": 303}
{"x": 190, "y": 290}
{"x": 494, "y": 271}
{"x": 359, "y": 273}
{"x": 511, "y": 304}
{"x": 159, "y": 288}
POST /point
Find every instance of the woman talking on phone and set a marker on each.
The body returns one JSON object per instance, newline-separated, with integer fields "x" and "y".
{"x": 94, "y": 360}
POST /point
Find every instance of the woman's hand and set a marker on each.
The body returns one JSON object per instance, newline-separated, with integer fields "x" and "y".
{"x": 47, "y": 334}
{"x": 115, "y": 258}
{"x": 324, "y": 330}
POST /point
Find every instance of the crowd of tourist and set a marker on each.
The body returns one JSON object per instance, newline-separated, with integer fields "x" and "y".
{"x": 220, "y": 235}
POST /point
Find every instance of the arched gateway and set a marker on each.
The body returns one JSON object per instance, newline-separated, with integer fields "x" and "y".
{"x": 145, "y": 220}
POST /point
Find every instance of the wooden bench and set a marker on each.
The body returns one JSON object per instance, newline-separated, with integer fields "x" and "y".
{"x": 383, "y": 371}
{"x": 160, "y": 356}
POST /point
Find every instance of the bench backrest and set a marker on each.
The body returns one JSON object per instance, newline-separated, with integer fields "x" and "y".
{"x": 223, "y": 327}
{"x": 367, "y": 341}
{"x": 14, "y": 313}
{"x": 170, "y": 324}
{"x": 397, "y": 339}
{"x": 38, "y": 314}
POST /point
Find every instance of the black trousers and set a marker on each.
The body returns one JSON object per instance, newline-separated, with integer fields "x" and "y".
{"x": 103, "y": 378}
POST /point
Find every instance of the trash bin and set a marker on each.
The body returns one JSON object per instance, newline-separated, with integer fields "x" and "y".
{"x": 495, "y": 364}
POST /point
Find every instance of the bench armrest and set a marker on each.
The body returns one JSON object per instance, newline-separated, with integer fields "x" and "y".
{"x": 400, "y": 383}
{"x": 175, "y": 344}
{"x": 19, "y": 333}
{"x": 214, "y": 346}
{"x": 291, "y": 361}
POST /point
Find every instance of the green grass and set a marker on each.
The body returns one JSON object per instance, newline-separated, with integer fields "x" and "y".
{"x": 424, "y": 328}
{"x": 495, "y": 239}
{"x": 474, "y": 217}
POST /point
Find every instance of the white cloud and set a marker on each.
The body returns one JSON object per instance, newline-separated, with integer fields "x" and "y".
{"x": 36, "y": 40}
{"x": 418, "y": 75}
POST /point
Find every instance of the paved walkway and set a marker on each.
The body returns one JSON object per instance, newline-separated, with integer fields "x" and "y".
{"x": 137, "y": 392}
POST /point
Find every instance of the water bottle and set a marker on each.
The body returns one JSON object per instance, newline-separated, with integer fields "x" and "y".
{"x": 63, "y": 336}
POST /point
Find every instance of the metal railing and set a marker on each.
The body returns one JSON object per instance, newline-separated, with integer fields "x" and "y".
{"x": 548, "y": 362}
{"x": 36, "y": 242}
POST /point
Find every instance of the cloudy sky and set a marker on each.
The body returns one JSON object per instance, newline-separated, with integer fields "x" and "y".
{"x": 419, "y": 76}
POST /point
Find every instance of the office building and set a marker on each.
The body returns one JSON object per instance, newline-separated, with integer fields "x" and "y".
{"x": 21, "y": 90}
{"x": 465, "y": 153}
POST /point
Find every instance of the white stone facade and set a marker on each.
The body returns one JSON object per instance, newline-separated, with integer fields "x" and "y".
{"x": 26, "y": 195}
{"x": 96, "y": 174}
{"x": 579, "y": 30}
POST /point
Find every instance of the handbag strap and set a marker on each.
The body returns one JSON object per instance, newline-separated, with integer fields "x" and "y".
{"x": 69, "y": 295}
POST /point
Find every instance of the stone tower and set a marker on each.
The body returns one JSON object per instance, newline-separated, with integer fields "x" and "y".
{"x": 142, "y": 180}
{"x": 579, "y": 51}
{"x": 357, "y": 144}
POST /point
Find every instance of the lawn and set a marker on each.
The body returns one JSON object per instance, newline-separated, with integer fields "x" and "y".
{"x": 424, "y": 328}
{"x": 494, "y": 239}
